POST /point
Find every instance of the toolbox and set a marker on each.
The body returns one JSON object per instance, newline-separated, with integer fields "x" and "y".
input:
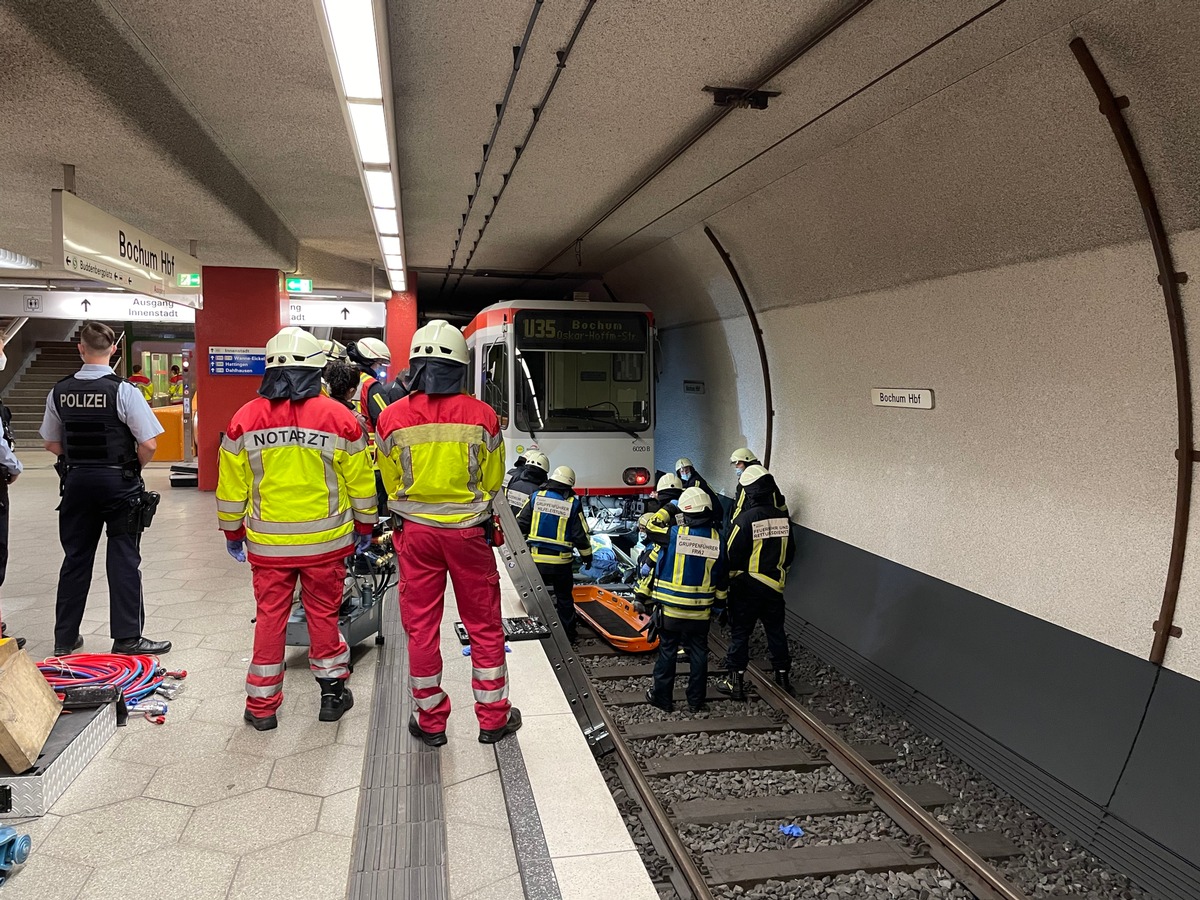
{"x": 76, "y": 738}
{"x": 519, "y": 628}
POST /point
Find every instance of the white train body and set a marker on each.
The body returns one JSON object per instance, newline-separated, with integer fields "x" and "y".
{"x": 576, "y": 381}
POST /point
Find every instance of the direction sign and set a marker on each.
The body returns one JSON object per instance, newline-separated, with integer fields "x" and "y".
{"x": 298, "y": 285}
{"x": 95, "y": 245}
{"x": 318, "y": 313}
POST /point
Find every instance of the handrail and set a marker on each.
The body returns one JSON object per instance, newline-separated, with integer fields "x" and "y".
{"x": 1169, "y": 279}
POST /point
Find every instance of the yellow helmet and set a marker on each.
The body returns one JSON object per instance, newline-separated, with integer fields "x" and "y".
{"x": 669, "y": 482}
{"x": 694, "y": 500}
{"x": 750, "y": 475}
{"x": 564, "y": 475}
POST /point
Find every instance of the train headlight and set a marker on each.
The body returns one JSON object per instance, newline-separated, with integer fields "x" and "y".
{"x": 636, "y": 476}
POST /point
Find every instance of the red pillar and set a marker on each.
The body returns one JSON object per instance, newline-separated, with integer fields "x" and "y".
{"x": 401, "y": 323}
{"x": 242, "y": 308}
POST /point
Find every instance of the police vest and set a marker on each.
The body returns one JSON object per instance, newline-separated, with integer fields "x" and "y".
{"x": 93, "y": 433}
{"x": 6, "y": 421}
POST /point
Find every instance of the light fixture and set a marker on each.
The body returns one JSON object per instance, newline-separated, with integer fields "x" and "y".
{"x": 352, "y": 30}
{"x": 381, "y": 191}
{"x": 38, "y": 287}
{"x": 386, "y": 221}
{"x": 393, "y": 261}
{"x": 370, "y": 133}
{"x": 12, "y": 260}
{"x": 389, "y": 245}
{"x": 396, "y": 277}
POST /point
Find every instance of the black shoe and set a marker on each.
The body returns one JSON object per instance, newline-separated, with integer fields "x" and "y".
{"x": 514, "y": 722}
{"x": 650, "y": 700}
{"x": 138, "y": 646}
{"x": 784, "y": 680}
{"x": 4, "y": 633}
{"x": 698, "y": 709}
{"x": 429, "y": 738}
{"x": 266, "y": 723}
{"x": 336, "y": 698}
{"x": 734, "y": 685}
{"x": 67, "y": 651}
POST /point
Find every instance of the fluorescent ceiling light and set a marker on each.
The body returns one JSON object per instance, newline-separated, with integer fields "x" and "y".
{"x": 40, "y": 287}
{"x": 352, "y": 27}
{"x": 370, "y": 133}
{"x": 386, "y": 221}
{"x": 396, "y": 277}
{"x": 390, "y": 244}
{"x": 394, "y": 261}
{"x": 12, "y": 260}
{"x": 380, "y": 189}
{"x": 313, "y": 296}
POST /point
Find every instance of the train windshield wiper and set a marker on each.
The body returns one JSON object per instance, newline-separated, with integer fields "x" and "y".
{"x": 583, "y": 416}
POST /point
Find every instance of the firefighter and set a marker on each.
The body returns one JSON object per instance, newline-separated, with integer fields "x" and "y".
{"x": 295, "y": 496}
{"x": 103, "y": 432}
{"x": 142, "y": 383}
{"x": 554, "y": 527}
{"x": 689, "y": 578}
{"x": 666, "y": 493}
{"x": 741, "y": 459}
{"x": 530, "y": 478}
{"x": 761, "y": 548}
{"x": 175, "y": 388}
{"x": 689, "y": 477}
{"x": 442, "y": 459}
{"x": 370, "y": 356}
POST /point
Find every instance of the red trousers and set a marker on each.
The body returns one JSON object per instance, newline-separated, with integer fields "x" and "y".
{"x": 321, "y": 595}
{"x": 426, "y": 555}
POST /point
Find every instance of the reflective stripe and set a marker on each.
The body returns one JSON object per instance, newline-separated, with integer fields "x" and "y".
{"x": 428, "y": 703}
{"x": 326, "y": 524}
{"x": 439, "y": 509}
{"x": 492, "y": 441}
{"x": 285, "y": 550}
{"x": 331, "y": 672}
{"x": 351, "y": 446}
{"x": 229, "y": 526}
{"x": 406, "y": 470}
{"x": 367, "y": 518}
{"x": 229, "y": 445}
{"x": 500, "y": 671}
{"x": 473, "y": 471}
{"x": 364, "y": 503}
{"x": 341, "y": 658}
{"x": 266, "y": 671}
{"x": 231, "y": 506}
{"x": 443, "y": 433}
{"x": 491, "y": 696}
{"x": 256, "y": 468}
{"x": 331, "y": 483}
{"x": 269, "y": 690}
{"x": 416, "y": 682}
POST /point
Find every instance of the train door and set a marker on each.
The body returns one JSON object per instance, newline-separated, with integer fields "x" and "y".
{"x": 495, "y": 363}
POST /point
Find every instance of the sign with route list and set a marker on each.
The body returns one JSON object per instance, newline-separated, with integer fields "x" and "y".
{"x": 237, "y": 360}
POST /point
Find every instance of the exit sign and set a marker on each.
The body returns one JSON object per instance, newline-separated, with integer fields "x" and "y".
{"x": 299, "y": 285}
{"x": 189, "y": 279}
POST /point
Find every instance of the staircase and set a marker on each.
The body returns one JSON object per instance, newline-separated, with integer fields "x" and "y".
{"x": 26, "y": 394}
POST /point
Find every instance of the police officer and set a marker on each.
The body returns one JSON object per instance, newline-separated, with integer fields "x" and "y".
{"x": 103, "y": 431}
{"x": 690, "y": 576}
{"x": 442, "y": 458}
{"x": 10, "y": 468}
{"x": 689, "y": 477}
{"x": 297, "y": 485}
{"x": 553, "y": 525}
{"x": 761, "y": 549}
{"x": 530, "y": 478}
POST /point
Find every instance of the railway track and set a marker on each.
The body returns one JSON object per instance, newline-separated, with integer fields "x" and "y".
{"x": 786, "y": 737}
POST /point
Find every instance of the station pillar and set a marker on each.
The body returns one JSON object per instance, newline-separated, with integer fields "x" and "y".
{"x": 242, "y": 308}
{"x": 401, "y": 323}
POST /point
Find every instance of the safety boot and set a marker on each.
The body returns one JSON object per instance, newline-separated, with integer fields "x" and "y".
{"x": 733, "y": 684}
{"x": 510, "y": 727}
{"x": 263, "y": 723}
{"x": 783, "y": 678}
{"x": 336, "y": 698}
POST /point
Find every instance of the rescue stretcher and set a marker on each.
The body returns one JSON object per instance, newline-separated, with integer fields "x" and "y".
{"x": 607, "y": 608}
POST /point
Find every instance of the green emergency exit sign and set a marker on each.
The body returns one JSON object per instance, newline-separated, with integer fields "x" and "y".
{"x": 189, "y": 279}
{"x": 299, "y": 285}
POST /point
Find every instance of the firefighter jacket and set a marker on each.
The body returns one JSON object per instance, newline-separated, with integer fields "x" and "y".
{"x": 761, "y": 543}
{"x": 522, "y": 486}
{"x": 442, "y": 459}
{"x": 691, "y": 573}
{"x": 718, "y": 511}
{"x": 659, "y": 527}
{"x": 553, "y": 524}
{"x": 370, "y": 400}
{"x": 739, "y": 495}
{"x": 295, "y": 481}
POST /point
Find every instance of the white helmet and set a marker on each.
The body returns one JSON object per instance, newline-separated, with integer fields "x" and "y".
{"x": 334, "y": 349}
{"x": 563, "y": 475}
{"x": 694, "y": 500}
{"x": 539, "y": 459}
{"x": 439, "y": 340}
{"x": 742, "y": 455}
{"x": 373, "y": 348}
{"x": 294, "y": 346}
{"x": 684, "y": 462}
{"x": 751, "y": 474}
{"x": 669, "y": 482}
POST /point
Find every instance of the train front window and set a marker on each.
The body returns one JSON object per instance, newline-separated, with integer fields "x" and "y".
{"x": 582, "y": 372}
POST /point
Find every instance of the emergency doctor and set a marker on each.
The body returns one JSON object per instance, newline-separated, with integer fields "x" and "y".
{"x": 103, "y": 432}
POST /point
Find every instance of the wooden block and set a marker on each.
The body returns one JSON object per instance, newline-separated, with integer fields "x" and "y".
{"x": 28, "y": 708}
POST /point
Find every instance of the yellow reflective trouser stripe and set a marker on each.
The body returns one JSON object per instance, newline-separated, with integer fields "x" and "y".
{"x": 313, "y": 527}
{"x": 266, "y": 671}
{"x": 286, "y": 550}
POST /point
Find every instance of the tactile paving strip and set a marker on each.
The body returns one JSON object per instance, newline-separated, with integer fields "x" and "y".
{"x": 400, "y": 842}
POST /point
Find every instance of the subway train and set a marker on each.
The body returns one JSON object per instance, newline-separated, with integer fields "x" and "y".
{"x": 575, "y": 380}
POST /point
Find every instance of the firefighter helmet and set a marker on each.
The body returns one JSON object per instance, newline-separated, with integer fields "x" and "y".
{"x": 751, "y": 474}
{"x": 538, "y": 459}
{"x": 669, "y": 482}
{"x": 694, "y": 500}
{"x": 294, "y": 346}
{"x": 742, "y": 455}
{"x": 564, "y": 475}
{"x": 439, "y": 340}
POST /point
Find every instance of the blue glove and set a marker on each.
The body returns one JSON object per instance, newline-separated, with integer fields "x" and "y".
{"x": 362, "y": 543}
{"x": 237, "y": 549}
{"x": 645, "y": 570}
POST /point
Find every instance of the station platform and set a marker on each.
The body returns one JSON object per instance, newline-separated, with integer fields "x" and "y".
{"x": 203, "y": 806}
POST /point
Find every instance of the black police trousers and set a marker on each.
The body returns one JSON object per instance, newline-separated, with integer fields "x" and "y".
{"x": 93, "y": 498}
{"x": 3, "y": 526}
{"x": 561, "y": 580}
{"x": 751, "y": 602}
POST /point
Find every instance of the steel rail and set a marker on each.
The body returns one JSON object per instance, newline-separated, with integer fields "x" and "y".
{"x": 1169, "y": 279}
{"x": 975, "y": 873}
{"x": 684, "y": 867}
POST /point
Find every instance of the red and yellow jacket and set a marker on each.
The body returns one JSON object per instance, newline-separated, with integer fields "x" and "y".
{"x": 441, "y": 458}
{"x": 295, "y": 481}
